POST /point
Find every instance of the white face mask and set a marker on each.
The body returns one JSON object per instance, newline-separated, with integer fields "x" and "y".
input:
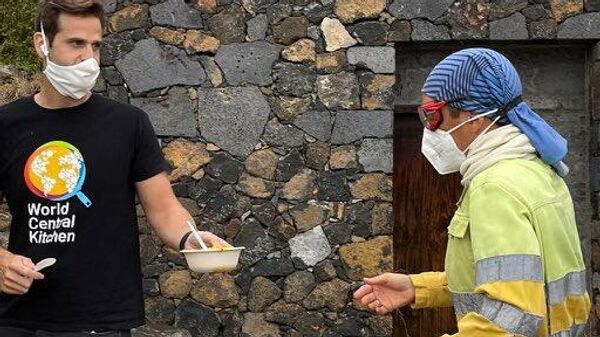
{"x": 440, "y": 149}
{"x": 72, "y": 81}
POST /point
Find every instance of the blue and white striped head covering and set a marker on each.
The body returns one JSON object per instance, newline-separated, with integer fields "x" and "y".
{"x": 480, "y": 80}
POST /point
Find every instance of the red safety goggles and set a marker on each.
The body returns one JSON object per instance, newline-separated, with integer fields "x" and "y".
{"x": 430, "y": 114}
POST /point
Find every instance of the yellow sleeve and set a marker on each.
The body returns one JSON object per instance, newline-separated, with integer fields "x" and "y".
{"x": 431, "y": 290}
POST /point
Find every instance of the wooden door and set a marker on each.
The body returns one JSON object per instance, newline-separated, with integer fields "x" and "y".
{"x": 424, "y": 203}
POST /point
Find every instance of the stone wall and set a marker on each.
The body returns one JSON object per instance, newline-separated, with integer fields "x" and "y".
{"x": 277, "y": 118}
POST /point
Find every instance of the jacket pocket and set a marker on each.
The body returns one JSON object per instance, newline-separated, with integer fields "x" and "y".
{"x": 458, "y": 225}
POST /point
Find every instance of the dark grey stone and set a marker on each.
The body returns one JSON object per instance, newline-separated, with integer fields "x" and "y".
{"x": 536, "y": 12}
{"x": 339, "y": 90}
{"x": 584, "y": 26}
{"x": 426, "y": 31}
{"x": 333, "y": 186}
{"x": 331, "y": 333}
{"x": 298, "y": 285}
{"x": 139, "y": 34}
{"x": 314, "y": 33}
{"x": 232, "y": 118}
{"x": 543, "y": 29}
{"x": 310, "y": 324}
{"x": 283, "y": 313}
{"x": 199, "y": 320}
{"x": 338, "y": 233}
{"x": 149, "y": 249}
{"x": 280, "y": 135}
{"x": 229, "y": 25}
{"x": 154, "y": 270}
{"x": 288, "y": 166}
{"x": 112, "y": 76}
{"x": 468, "y": 20}
{"x": 317, "y": 155}
{"x": 294, "y": 79}
{"x": 316, "y": 123}
{"x": 376, "y": 155}
{"x": 221, "y": 207}
{"x": 150, "y": 66}
{"x": 273, "y": 267}
{"x": 325, "y": 271}
{"x": 248, "y": 63}
{"x": 400, "y": 30}
{"x": 290, "y": 30}
{"x": 115, "y": 47}
{"x": 257, "y": 241}
{"x": 513, "y": 27}
{"x": 226, "y": 168}
{"x": 411, "y": 9}
{"x": 174, "y": 116}
{"x": 257, "y": 27}
{"x": 370, "y": 33}
{"x": 109, "y": 6}
{"x": 278, "y": 12}
{"x": 265, "y": 213}
{"x": 505, "y": 8}
{"x": 381, "y": 60}
{"x": 182, "y": 188}
{"x": 350, "y": 126}
{"x": 349, "y": 327}
{"x": 176, "y": 13}
{"x": 205, "y": 189}
{"x": 150, "y": 287}
{"x": 592, "y": 5}
{"x": 159, "y": 310}
{"x": 381, "y": 326}
{"x": 159, "y": 330}
{"x": 262, "y": 293}
{"x": 360, "y": 215}
{"x": 258, "y": 5}
{"x": 118, "y": 93}
{"x": 316, "y": 12}
{"x": 232, "y": 323}
{"x": 243, "y": 280}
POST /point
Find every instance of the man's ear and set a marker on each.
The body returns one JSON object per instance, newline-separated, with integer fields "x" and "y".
{"x": 38, "y": 42}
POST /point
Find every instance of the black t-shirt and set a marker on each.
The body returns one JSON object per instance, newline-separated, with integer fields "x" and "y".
{"x": 68, "y": 176}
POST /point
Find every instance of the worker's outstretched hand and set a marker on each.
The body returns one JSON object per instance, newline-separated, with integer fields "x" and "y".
{"x": 384, "y": 293}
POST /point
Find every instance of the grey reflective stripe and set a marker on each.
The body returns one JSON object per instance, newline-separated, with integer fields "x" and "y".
{"x": 509, "y": 318}
{"x": 465, "y": 303}
{"x": 572, "y": 284}
{"x": 574, "y": 331}
{"x": 509, "y": 268}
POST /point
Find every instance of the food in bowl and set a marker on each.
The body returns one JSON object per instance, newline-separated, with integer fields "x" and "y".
{"x": 213, "y": 260}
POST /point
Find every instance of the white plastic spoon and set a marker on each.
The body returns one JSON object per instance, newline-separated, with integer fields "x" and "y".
{"x": 196, "y": 235}
{"x": 45, "y": 263}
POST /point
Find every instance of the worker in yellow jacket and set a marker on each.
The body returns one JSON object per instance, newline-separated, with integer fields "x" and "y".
{"x": 513, "y": 264}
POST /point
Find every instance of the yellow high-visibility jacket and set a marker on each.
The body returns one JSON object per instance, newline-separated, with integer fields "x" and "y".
{"x": 513, "y": 264}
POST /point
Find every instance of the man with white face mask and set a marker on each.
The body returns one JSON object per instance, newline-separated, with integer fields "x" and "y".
{"x": 513, "y": 264}
{"x": 71, "y": 163}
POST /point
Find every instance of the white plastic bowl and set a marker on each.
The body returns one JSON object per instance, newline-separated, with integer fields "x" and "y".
{"x": 213, "y": 260}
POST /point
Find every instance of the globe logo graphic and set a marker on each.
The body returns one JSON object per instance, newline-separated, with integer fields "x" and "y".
{"x": 56, "y": 171}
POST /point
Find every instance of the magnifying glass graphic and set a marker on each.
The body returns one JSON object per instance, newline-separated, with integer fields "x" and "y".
{"x": 56, "y": 171}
